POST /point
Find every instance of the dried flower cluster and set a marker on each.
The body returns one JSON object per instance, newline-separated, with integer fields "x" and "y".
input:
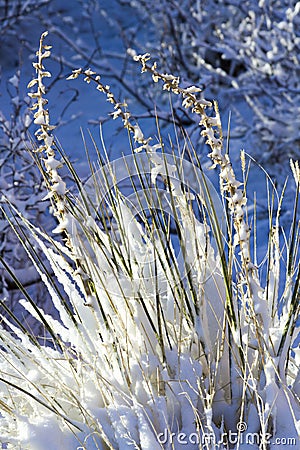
{"x": 57, "y": 187}
{"x": 119, "y": 107}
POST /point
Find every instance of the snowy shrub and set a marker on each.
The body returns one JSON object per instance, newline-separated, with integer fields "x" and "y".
{"x": 167, "y": 331}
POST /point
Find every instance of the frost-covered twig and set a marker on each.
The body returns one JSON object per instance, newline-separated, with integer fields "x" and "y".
{"x": 120, "y": 108}
{"x": 57, "y": 187}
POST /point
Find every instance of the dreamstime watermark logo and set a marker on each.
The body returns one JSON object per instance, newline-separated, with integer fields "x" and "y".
{"x": 230, "y": 438}
{"x": 143, "y": 183}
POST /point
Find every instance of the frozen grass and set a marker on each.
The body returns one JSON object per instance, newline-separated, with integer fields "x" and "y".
{"x": 169, "y": 333}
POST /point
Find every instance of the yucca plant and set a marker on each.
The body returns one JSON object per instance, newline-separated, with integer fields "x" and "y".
{"x": 163, "y": 331}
